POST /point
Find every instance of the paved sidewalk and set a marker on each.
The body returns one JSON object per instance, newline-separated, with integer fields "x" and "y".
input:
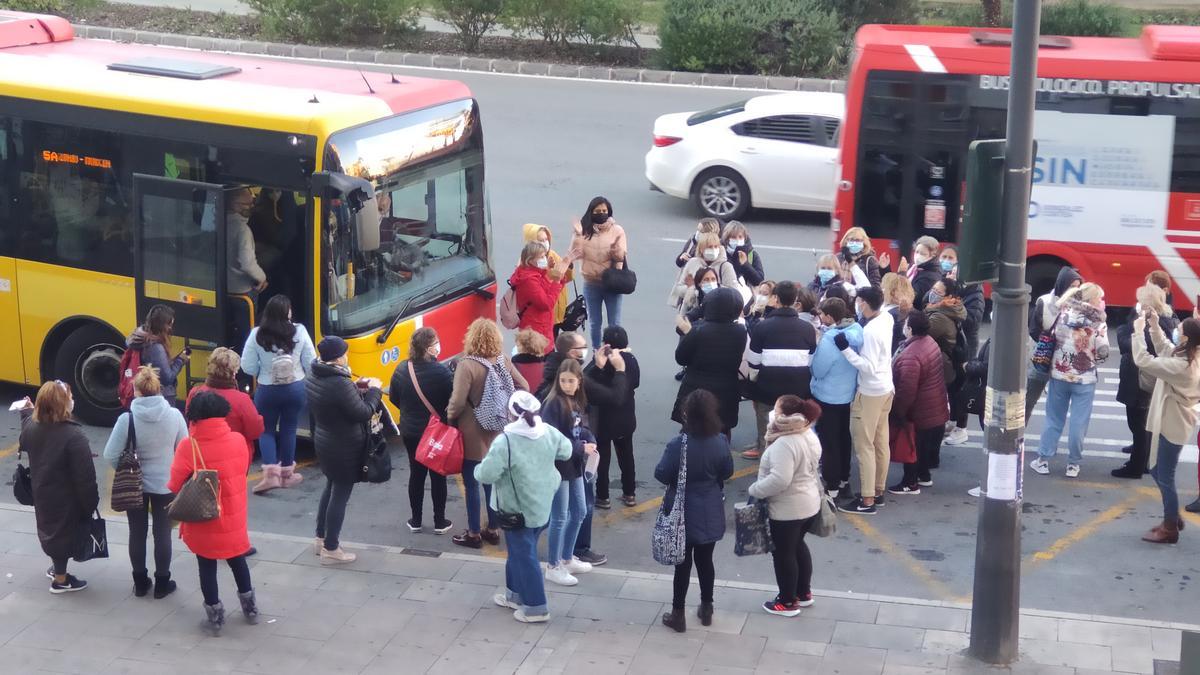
{"x": 409, "y": 611}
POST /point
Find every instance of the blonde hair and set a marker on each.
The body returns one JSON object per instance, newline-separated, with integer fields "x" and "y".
{"x": 1089, "y": 293}
{"x": 223, "y": 363}
{"x": 53, "y": 403}
{"x": 529, "y": 341}
{"x": 858, "y": 233}
{"x": 483, "y": 339}
{"x": 707, "y": 240}
{"x": 709, "y": 226}
{"x": 897, "y": 290}
{"x": 532, "y": 251}
{"x": 829, "y": 260}
{"x": 146, "y": 382}
{"x": 1153, "y": 297}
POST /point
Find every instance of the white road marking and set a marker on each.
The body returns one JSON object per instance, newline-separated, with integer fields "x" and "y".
{"x": 1189, "y": 455}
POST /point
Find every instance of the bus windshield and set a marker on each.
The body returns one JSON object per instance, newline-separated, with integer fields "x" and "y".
{"x": 427, "y": 169}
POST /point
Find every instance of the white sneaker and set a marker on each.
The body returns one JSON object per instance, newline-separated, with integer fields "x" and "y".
{"x": 1040, "y": 466}
{"x": 976, "y": 491}
{"x": 336, "y": 557}
{"x": 521, "y": 616}
{"x": 318, "y": 545}
{"x": 957, "y": 437}
{"x": 502, "y": 600}
{"x": 559, "y": 575}
{"x": 577, "y": 566}
{"x": 1072, "y": 471}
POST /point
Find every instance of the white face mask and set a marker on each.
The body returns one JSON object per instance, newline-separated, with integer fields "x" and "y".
{"x": 711, "y": 254}
{"x": 734, "y": 243}
{"x": 760, "y": 299}
{"x": 542, "y": 263}
{"x": 708, "y": 286}
{"x": 545, "y": 244}
{"x": 920, "y": 258}
{"x": 435, "y": 349}
{"x": 771, "y": 417}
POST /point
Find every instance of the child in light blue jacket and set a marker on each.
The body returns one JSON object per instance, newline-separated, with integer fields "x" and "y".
{"x": 834, "y": 381}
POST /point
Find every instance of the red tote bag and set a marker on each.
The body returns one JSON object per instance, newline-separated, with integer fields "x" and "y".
{"x": 441, "y": 447}
{"x": 904, "y": 443}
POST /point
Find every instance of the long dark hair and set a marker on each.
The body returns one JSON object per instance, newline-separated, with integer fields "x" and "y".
{"x": 576, "y": 403}
{"x": 1191, "y": 329}
{"x": 277, "y": 330}
{"x": 159, "y": 321}
{"x": 700, "y": 414}
{"x": 589, "y": 228}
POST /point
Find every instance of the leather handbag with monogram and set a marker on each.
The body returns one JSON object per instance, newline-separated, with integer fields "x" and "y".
{"x": 199, "y": 499}
{"x": 127, "y": 480}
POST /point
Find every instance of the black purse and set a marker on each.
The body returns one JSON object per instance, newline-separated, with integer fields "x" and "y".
{"x": 377, "y": 458}
{"x": 509, "y": 520}
{"x": 93, "y": 539}
{"x": 621, "y": 281}
{"x": 575, "y": 315}
{"x": 22, "y": 483}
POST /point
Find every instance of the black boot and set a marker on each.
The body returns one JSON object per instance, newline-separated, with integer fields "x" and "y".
{"x": 249, "y": 608}
{"x": 674, "y": 619}
{"x": 1194, "y": 507}
{"x": 705, "y": 613}
{"x": 141, "y": 584}
{"x": 163, "y": 585}
{"x": 1128, "y": 449}
{"x": 1128, "y": 470}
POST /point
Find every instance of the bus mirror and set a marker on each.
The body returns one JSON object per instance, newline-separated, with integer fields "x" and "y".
{"x": 982, "y": 217}
{"x": 359, "y": 195}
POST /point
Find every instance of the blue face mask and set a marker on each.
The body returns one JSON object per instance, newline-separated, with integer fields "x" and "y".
{"x": 947, "y": 266}
{"x": 825, "y": 275}
{"x": 854, "y": 247}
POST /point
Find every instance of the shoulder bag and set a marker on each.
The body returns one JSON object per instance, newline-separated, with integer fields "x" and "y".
{"x": 22, "y": 483}
{"x": 622, "y": 281}
{"x": 824, "y": 523}
{"x": 1043, "y": 352}
{"x": 199, "y": 499}
{"x": 510, "y": 520}
{"x": 127, "y": 480}
{"x": 93, "y": 539}
{"x": 752, "y": 533}
{"x": 576, "y": 313}
{"x": 441, "y": 448}
{"x": 668, "y": 540}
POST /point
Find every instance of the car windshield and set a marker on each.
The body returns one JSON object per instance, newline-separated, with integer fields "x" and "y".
{"x": 427, "y": 169}
{"x": 714, "y": 113}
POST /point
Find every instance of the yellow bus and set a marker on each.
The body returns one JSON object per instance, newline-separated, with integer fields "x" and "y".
{"x": 118, "y": 163}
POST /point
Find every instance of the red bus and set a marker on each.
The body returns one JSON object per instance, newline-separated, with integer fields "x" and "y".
{"x": 1116, "y": 183}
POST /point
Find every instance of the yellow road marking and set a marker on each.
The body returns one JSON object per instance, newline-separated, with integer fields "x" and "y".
{"x": 10, "y": 450}
{"x": 1083, "y": 531}
{"x": 880, "y": 540}
{"x": 615, "y": 516}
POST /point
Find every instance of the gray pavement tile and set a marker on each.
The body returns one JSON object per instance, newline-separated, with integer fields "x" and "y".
{"x": 853, "y": 660}
{"x": 486, "y": 573}
{"x": 605, "y": 637}
{"x": 650, "y": 590}
{"x": 1068, "y": 654}
{"x": 216, "y": 655}
{"x": 289, "y": 574}
{"x": 466, "y": 656}
{"x": 280, "y": 655}
{"x": 417, "y": 566}
{"x": 1038, "y": 627}
{"x": 562, "y": 644}
{"x": 1029, "y": 668}
{"x": 917, "y": 616}
{"x": 705, "y": 669}
{"x": 271, "y": 549}
{"x": 314, "y": 620}
{"x": 666, "y": 652}
{"x": 1095, "y": 633}
{"x": 801, "y": 647}
{"x": 593, "y": 663}
{"x": 448, "y": 592}
{"x": 435, "y": 632}
{"x": 348, "y": 656}
{"x": 605, "y": 585}
{"x": 409, "y": 659}
{"x": 83, "y": 653}
{"x": 19, "y": 659}
{"x": 843, "y": 609}
{"x": 739, "y": 600}
{"x": 923, "y": 659}
{"x": 365, "y": 584}
{"x": 945, "y": 642}
{"x": 1166, "y": 643}
{"x": 882, "y": 637}
{"x": 131, "y": 666}
{"x": 780, "y": 663}
{"x": 739, "y": 651}
{"x": 535, "y": 661}
{"x": 795, "y": 628}
{"x": 385, "y": 613}
{"x": 163, "y": 646}
{"x": 369, "y": 639}
{"x": 900, "y": 669}
{"x": 1133, "y": 659}
{"x": 723, "y": 621}
{"x": 615, "y": 609}
{"x": 515, "y": 656}
{"x": 499, "y": 626}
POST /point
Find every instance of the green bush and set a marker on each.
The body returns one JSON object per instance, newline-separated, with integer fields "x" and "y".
{"x": 337, "y": 21}
{"x": 558, "y": 22}
{"x": 778, "y": 37}
{"x": 855, "y": 13}
{"x": 46, "y": 6}
{"x": 471, "y": 19}
{"x": 1081, "y": 17}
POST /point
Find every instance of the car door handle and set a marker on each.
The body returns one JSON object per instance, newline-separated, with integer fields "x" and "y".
{"x": 749, "y": 150}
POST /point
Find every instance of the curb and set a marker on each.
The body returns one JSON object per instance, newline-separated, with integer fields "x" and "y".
{"x": 455, "y": 62}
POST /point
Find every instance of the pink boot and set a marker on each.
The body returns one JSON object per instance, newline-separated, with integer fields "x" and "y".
{"x": 270, "y": 479}
{"x": 290, "y": 478}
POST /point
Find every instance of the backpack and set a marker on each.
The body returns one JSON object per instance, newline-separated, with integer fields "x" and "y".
{"x": 492, "y": 410}
{"x": 510, "y": 316}
{"x": 283, "y": 367}
{"x": 131, "y": 360}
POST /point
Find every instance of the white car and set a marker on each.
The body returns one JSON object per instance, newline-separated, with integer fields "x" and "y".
{"x": 776, "y": 151}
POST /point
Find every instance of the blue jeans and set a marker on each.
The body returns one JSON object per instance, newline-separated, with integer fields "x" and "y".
{"x": 1164, "y": 475}
{"x": 595, "y": 295}
{"x": 522, "y": 573}
{"x": 471, "y": 487}
{"x": 280, "y": 406}
{"x": 1062, "y": 397}
{"x": 583, "y": 541}
{"x": 566, "y": 515}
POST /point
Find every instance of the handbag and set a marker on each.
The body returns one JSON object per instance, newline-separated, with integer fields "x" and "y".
{"x": 22, "y": 483}
{"x": 441, "y": 447}
{"x": 668, "y": 540}
{"x": 752, "y": 532}
{"x": 93, "y": 539}
{"x": 510, "y": 520}
{"x": 824, "y": 523}
{"x": 575, "y": 314}
{"x": 1043, "y": 352}
{"x": 622, "y": 281}
{"x": 377, "y": 460}
{"x": 199, "y": 499}
{"x": 902, "y": 437}
{"x": 127, "y": 480}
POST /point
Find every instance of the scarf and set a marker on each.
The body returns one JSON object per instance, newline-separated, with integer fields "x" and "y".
{"x": 786, "y": 425}
{"x": 217, "y": 382}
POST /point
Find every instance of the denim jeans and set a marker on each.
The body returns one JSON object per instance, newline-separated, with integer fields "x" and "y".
{"x": 1164, "y": 475}
{"x": 522, "y": 573}
{"x": 471, "y": 488}
{"x": 1062, "y": 397}
{"x": 208, "y": 577}
{"x": 280, "y": 406}
{"x": 583, "y": 541}
{"x": 566, "y": 515}
{"x": 595, "y": 295}
{"x": 1035, "y": 384}
{"x": 331, "y": 512}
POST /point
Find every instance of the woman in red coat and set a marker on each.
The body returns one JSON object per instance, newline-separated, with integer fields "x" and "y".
{"x": 535, "y": 292}
{"x": 221, "y": 379}
{"x": 224, "y": 537}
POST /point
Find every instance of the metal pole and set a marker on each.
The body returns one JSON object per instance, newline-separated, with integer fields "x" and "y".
{"x": 995, "y": 611}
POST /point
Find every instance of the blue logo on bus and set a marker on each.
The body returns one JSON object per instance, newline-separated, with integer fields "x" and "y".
{"x": 390, "y": 355}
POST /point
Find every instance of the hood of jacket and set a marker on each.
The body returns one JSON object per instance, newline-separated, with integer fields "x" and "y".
{"x": 952, "y": 308}
{"x": 149, "y": 409}
{"x": 529, "y": 232}
{"x": 723, "y": 305}
{"x": 1079, "y": 314}
{"x": 525, "y": 273}
{"x": 1066, "y": 277}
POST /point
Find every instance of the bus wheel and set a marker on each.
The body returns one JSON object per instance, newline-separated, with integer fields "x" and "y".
{"x": 89, "y": 360}
{"x": 1041, "y": 273}
{"x": 722, "y": 193}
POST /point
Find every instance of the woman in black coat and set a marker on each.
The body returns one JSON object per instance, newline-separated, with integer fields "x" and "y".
{"x": 709, "y": 465}
{"x": 615, "y": 421}
{"x": 712, "y": 353}
{"x": 64, "y": 479}
{"x": 341, "y": 409}
{"x": 436, "y": 382}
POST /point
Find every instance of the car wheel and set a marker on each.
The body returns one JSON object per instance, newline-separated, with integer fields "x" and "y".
{"x": 722, "y": 193}
{"x": 89, "y": 361}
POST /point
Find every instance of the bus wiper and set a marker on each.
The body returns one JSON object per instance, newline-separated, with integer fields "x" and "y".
{"x": 383, "y": 337}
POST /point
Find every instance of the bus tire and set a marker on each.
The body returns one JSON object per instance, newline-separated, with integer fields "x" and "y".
{"x": 89, "y": 361}
{"x": 1040, "y": 274}
{"x": 721, "y": 193}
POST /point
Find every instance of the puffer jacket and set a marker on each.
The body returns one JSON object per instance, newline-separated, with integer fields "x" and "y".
{"x": 944, "y": 321}
{"x": 340, "y": 411}
{"x": 712, "y": 352}
{"x": 752, "y": 271}
{"x": 606, "y": 248}
{"x": 154, "y": 353}
{"x": 709, "y": 465}
{"x": 920, "y": 384}
{"x": 436, "y": 381}
{"x": 1082, "y": 337}
{"x": 224, "y": 451}
{"x": 867, "y": 262}
{"x": 781, "y": 348}
{"x": 529, "y": 233}
{"x": 536, "y": 296}
{"x": 923, "y": 277}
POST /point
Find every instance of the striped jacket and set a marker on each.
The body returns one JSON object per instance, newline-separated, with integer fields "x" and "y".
{"x": 781, "y": 348}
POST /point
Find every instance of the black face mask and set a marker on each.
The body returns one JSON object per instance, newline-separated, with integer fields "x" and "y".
{"x": 599, "y": 218}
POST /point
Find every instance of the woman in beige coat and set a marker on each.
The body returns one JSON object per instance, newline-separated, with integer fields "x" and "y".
{"x": 482, "y": 354}
{"x": 600, "y": 244}
{"x": 1172, "y": 414}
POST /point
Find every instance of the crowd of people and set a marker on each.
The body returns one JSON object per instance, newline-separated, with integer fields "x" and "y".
{"x": 860, "y": 365}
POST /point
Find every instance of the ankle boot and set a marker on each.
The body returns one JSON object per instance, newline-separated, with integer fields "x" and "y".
{"x": 1194, "y": 507}
{"x": 270, "y": 479}
{"x": 249, "y": 608}
{"x": 214, "y": 618}
{"x": 705, "y": 613}
{"x": 289, "y": 477}
{"x": 675, "y": 620}
{"x": 1165, "y": 533}
{"x": 141, "y": 584}
{"x": 163, "y": 585}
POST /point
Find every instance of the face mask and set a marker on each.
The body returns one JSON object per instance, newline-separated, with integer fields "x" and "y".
{"x": 934, "y": 297}
{"x": 1175, "y": 335}
{"x": 583, "y": 355}
{"x": 907, "y": 332}
{"x": 858, "y": 312}
{"x": 734, "y": 243}
{"x": 435, "y": 350}
{"x": 711, "y": 254}
{"x": 826, "y": 275}
{"x": 708, "y": 286}
{"x": 770, "y": 417}
{"x": 948, "y": 266}
{"x": 541, "y": 263}
{"x": 545, "y": 245}
{"x": 599, "y": 218}
{"x": 920, "y": 258}
{"x": 854, "y": 247}
{"x": 760, "y": 300}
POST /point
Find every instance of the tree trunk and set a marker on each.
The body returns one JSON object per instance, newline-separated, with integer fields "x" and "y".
{"x": 991, "y": 12}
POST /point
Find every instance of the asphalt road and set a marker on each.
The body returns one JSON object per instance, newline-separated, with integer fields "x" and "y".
{"x": 552, "y": 145}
